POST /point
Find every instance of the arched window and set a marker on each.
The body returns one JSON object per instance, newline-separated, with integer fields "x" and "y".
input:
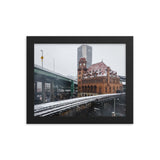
{"x": 113, "y": 89}
{"x": 88, "y": 89}
{"x": 95, "y": 89}
{"x": 82, "y": 88}
{"x": 91, "y": 88}
{"x": 106, "y": 89}
{"x": 100, "y": 90}
{"x": 85, "y": 88}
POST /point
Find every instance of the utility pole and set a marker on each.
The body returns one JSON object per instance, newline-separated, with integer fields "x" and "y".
{"x": 42, "y": 57}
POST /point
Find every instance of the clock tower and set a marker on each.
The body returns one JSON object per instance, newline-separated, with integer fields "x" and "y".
{"x": 82, "y": 68}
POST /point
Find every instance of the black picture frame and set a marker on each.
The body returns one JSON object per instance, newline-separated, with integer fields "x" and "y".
{"x": 31, "y": 40}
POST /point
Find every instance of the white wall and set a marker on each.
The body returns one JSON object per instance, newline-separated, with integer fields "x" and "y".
{"x": 61, "y": 18}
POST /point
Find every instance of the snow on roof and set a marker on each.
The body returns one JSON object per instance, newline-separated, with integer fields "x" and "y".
{"x": 82, "y": 59}
{"x": 98, "y": 69}
{"x": 98, "y": 66}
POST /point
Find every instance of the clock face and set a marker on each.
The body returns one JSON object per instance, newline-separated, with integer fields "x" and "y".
{"x": 84, "y": 64}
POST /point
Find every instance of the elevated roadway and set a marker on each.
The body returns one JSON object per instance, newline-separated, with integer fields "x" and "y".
{"x": 46, "y": 109}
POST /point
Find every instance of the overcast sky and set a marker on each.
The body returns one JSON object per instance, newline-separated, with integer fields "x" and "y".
{"x": 63, "y": 57}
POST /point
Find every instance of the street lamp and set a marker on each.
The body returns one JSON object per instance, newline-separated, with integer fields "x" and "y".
{"x": 42, "y": 57}
{"x": 114, "y": 112}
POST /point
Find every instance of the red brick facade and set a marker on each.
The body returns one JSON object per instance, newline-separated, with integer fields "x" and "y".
{"x": 97, "y": 79}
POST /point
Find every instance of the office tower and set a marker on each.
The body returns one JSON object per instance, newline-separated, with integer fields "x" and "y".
{"x": 86, "y": 52}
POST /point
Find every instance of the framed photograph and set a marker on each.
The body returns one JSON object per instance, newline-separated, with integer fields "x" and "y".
{"x": 80, "y": 80}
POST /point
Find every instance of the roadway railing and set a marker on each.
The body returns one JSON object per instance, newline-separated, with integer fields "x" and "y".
{"x": 46, "y": 109}
{"x": 54, "y": 73}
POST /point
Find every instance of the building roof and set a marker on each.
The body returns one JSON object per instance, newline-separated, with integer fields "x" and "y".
{"x": 82, "y": 59}
{"x": 98, "y": 67}
{"x": 97, "y": 70}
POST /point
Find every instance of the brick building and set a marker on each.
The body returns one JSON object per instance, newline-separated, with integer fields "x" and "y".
{"x": 97, "y": 79}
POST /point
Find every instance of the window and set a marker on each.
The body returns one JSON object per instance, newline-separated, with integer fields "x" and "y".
{"x": 79, "y": 73}
{"x": 113, "y": 89}
{"x": 47, "y": 87}
{"x": 106, "y": 89}
{"x": 39, "y": 86}
{"x": 91, "y": 88}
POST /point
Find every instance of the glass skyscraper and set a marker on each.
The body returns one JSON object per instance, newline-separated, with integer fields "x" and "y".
{"x": 86, "y": 52}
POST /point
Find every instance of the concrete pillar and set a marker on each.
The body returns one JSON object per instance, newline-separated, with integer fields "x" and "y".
{"x": 72, "y": 88}
{"x": 35, "y": 91}
{"x": 43, "y": 91}
{"x": 52, "y": 91}
{"x": 35, "y": 87}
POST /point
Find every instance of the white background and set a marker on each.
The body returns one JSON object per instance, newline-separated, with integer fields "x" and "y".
{"x": 70, "y": 17}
